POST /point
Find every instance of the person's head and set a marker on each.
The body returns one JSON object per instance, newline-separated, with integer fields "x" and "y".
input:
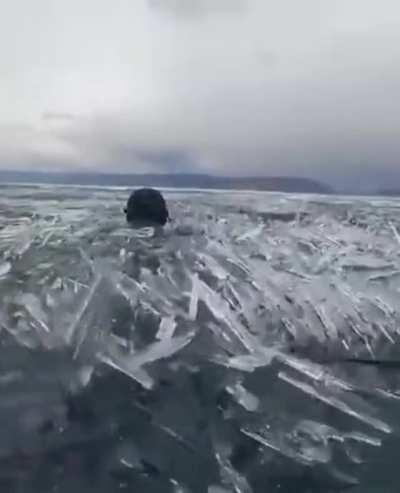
{"x": 146, "y": 206}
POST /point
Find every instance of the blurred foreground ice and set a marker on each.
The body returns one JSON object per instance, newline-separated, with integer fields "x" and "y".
{"x": 205, "y": 357}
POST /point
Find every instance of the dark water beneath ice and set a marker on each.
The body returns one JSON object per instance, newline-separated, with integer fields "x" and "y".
{"x": 204, "y": 357}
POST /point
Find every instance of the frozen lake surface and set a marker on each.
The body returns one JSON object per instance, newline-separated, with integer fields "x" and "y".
{"x": 212, "y": 356}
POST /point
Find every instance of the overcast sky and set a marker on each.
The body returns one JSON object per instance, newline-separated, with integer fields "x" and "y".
{"x": 288, "y": 87}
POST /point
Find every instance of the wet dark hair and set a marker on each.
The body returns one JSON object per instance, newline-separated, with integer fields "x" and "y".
{"x": 146, "y": 205}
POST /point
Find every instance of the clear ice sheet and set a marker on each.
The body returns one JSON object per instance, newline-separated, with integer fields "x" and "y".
{"x": 214, "y": 355}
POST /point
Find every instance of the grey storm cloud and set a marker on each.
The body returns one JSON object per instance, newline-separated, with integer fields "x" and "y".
{"x": 55, "y": 116}
{"x": 254, "y": 87}
{"x": 198, "y": 8}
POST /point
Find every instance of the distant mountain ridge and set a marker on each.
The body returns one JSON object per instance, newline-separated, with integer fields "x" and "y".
{"x": 279, "y": 183}
{"x": 389, "y": 192}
